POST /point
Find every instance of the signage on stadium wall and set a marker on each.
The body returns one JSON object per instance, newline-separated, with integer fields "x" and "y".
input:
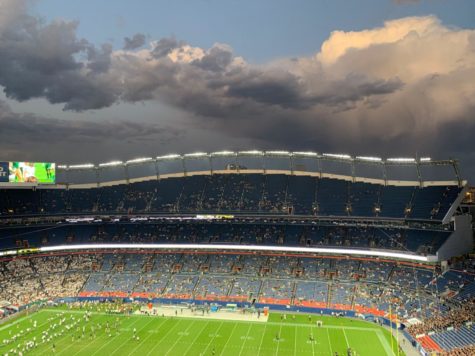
{"x": 4, "y": 172}
{"x": 28, "y": 172}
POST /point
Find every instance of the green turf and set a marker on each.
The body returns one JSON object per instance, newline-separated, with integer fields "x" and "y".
{"x": 189, "y": 336}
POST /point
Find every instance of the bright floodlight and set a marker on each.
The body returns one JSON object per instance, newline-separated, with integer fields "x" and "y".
{"x": 222, "y": 153}
{"x": 308, "y": 154}
{"x": 80, "y": 166}
{"x": 138, "y": 160}
{"x": 111, "y": 164}
{"x": 401, "y": 160}
{"x": 337, "y": 155}
{"x": 278, "y": 153}
{"x": 196, "y": 154}
{"x": 369, "y": 159}
{"x": 252, "y": 153}
{"x": 172, "y": 156}
{"x": 62, "y": 166}
{"x": 221, "y": 247}
{"x": 425, "y": 159}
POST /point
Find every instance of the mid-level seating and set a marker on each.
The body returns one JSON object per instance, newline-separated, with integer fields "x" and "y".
{"x": 245, "y": 193}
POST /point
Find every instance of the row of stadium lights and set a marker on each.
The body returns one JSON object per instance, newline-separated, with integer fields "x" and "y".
{"x": 343, "y": 157}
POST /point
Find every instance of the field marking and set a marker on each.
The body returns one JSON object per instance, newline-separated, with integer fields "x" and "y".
{"x": 197, "y": 336}
{"x": 163, "y": 338}
{"x": 229, "y": 338}
{"x": 278, "y": 343}
{"x": 242, "y": 346}
{"x": 105, "y": 344}
{"x": 346, "y": 339}
{"x": 162, "y": 323}
{"x": 384, "y": 342}
{"x": 313, "y": 346}
{"x": 135, "y": 318}
{"x": 178, "y": 339}
{"x": 243, "y": 321}
{"x": 18, "y": 320}
{"x": 295, "y": 341}
{"x": 329, "y": 342}
{"x": 212, "y": 339}
{"x": 262, "y": 339}
{"x": 62, "y": 338}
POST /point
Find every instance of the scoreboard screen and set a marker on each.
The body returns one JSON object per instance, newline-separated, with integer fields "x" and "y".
{"x": 28, "y": 172}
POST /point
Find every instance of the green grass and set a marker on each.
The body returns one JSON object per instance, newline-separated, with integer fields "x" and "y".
{"x": 190, "y": 336}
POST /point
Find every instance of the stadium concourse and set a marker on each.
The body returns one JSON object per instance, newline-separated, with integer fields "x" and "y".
{"x": 395, "y": 251}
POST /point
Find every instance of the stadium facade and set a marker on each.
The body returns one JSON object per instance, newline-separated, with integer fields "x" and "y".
{"x": 326, "y": 232}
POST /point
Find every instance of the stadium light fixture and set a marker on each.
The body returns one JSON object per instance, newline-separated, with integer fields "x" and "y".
{"x": 308, "y": 154}
{"x": 139, "y": 160}
{"x": 337, "y": 155}
{"x": 63, "y": 166}
{"x": 221, "y": 247}
{"x": 425, "y": 159}
{"x": 369, "y": 159}
{"x": 251, "y": 152}
{"x": 401, "y": 160}
{"x": 223, "y": 153}
{"x": 172, "y": 156}
{"x": 81, "y": 166}
{"x": 111, "y": 164}
{"x": 196, "y": 154}
{"x": 278, "y": 153}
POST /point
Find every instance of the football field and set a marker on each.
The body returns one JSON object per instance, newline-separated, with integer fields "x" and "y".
{"x": 105, "y": 334}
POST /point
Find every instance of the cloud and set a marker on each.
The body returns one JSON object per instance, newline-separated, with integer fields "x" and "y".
{"x": 137, "y": 41}
{"x": 388, "y": 89}
{"x": 401, "y": 2}
{"x": 23, "y": 135}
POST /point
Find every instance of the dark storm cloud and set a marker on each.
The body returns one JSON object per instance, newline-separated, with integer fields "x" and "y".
{"x": 34, "y": 137}
{"x": 137, "y": 41}
{"x": 390, "y": 89}
{"x": 17, "y": 128}
{"x": 49, "y": 61}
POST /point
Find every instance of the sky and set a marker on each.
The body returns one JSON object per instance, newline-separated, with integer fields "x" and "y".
{"x": 94, "y": 81}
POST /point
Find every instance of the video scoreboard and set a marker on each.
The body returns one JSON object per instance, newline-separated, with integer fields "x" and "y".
{"x": 28, "y": 172}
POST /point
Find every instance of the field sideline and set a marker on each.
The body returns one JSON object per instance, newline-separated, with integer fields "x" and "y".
{"x": 186, "y": 336}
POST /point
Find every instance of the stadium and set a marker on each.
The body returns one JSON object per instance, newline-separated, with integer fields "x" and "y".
{"x": 238, "y": 253}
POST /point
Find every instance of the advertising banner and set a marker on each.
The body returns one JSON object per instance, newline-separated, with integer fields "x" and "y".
{"x": 4, "y": 172}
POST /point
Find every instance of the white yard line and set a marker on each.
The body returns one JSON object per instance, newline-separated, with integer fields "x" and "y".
{"x": 127, "y": 338}
{"x": 212, "y": 339}
{"x": 107, "y": 343}
{"x": 346, "y": 339}
{"x": 278, "y": 341}
{"x": 197, "y": 336}
{"x": 313, "y": 346}
{"x": 329, "y": 342}
{"x": 247, "y": 335}
{"x": 163, "y": 338}
{"x": 229, "y": 338}
{"x": 163, "y": 322}
{"x": 384, "y": 342}
{"x": 262, "y": 339}
{"x": 179, "y": 338}
{"x": 60, "y": 340}
{"x": 295, "y": 341}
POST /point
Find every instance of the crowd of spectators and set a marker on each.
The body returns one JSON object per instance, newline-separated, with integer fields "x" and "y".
{"x": 454, "y": 317}
{"x": 460, "y": 351}
{"x": 269, "y": 193}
